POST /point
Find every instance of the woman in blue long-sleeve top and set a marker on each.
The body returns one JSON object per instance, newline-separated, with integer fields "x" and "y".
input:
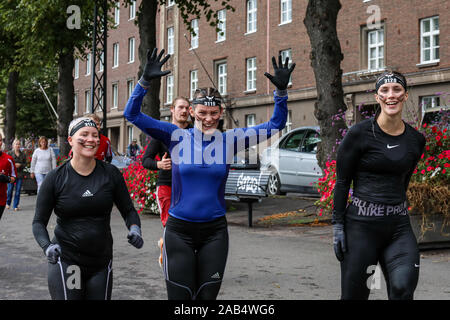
{"x": 196, "y": 236}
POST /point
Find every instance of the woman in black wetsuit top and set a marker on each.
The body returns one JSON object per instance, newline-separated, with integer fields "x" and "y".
{"x": 379, "y": 155}
{"x": 82, "y": 192}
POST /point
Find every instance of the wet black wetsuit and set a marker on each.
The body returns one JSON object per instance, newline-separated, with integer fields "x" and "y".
{"x": 83, "y": 207}
{"x": 376, "y": 224}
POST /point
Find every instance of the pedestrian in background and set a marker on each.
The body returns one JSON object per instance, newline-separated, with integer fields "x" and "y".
{"x": 42, "y": 161}
{"x": 7, "y": 175}
{"x": 20, "y": 159}
{"x": 133, "y": 149}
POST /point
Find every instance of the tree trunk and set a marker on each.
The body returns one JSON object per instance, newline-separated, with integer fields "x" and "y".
{"x": 147, "y": 33}
{"x": 65, "y": 106}
{"x": 326, "y": 57}
{"x": 11, "y": 109}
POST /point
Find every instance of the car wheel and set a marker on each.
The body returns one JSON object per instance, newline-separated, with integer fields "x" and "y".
{"x": 274, "y": 184}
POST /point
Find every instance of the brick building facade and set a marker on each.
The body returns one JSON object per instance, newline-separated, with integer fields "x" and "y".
{"x": 409, "y": 36}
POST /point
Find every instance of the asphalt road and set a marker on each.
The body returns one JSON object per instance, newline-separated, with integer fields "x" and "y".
{"x": 263, "y": 263}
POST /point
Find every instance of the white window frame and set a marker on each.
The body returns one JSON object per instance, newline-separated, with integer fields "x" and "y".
{"x": 117, "y": 13}
{"x": 193, "y": 83}
{"x": 87, "y": 101}
{"x": 435, "y": 102}
{"x": 115, "y": 96}
{"x": 132, "y": 11}
{"x": 102, "y": 62}
{"x": 75, "y": 103}
{"x": 170, "y": 3}
{"x": 284, "y": 54}
{"x": 222, "y": 17}
{"x": 130, "y": 88}
{"x": 76, "y": 72}
{"x": 169, "y": 88}
{"x": 130, "y": 134}
{"x": 431, "y": 34}
{"x": 115, "y": 55}
{"x": 288, "y": 126}
{"x": 250, "y": 120}
{"x": 170, "y": 40}
{"x": 194, "y": 39}
{"x": 251, "y": 74}
{"x": 222, "y": 77}
{"x": 252, "y": 16}
{"x": 285, "y": 11}
{"x": 377, "y": 45}
{"x": 131, "y": 49}
{"x": 88, "y": 64}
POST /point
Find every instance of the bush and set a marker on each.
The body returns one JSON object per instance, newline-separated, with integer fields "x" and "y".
{"x": 141, "y": 184}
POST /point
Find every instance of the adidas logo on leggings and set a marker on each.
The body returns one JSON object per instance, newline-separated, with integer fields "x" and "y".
{"x": 215, "y": 276}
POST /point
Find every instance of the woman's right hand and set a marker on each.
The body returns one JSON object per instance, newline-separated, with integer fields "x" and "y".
{"x": 53, "y": 252}
{"x": 165, "y": 163}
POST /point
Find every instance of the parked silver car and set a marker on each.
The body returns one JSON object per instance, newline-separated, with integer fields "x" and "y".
{"x": 292, "y": 162}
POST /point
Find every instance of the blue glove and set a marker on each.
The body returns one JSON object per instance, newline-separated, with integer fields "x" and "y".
{"x": 339, "y": 241}
{"x": 53, "y": 252}
{"x": 134, "y": 236}
{"x": 152, "y": 68}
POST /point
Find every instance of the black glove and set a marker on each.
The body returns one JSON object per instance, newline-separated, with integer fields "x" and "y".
{"x": 134, "y": 236}
{"x": 152, "y": 68}
{"x": 282, "y": 73}
{"x": 339, "y": 241}
{"x": 4, "y": 178}
{"x": 53, "y": 252}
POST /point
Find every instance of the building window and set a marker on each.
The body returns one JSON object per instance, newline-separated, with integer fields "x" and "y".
{"x": 250, "y": 120}
{"x": 117, "y": 13}
{"x": 170, "y": 3}
{"x": 115, "y": 95}
{"x": 131, "y": 43}
{"x": 130, "y": 88}
{"x": 251, "y": 74}
{"x": 222, "y": 16}
{"x": 222, "y": 78}
{"x": 170, "y": 40}
{"x": 115, "y": 55}
{"x": 375, "y": 49}
{"x": 133, "y": 9}
{"x": 429, "y": 40}
{"x": 88, "y": 64}
{"x": 130, "y": 134}
{"x": 288, "y": 126}
{"x": 169, "y": 89}
{"x": 76, "y": 72}
{"x": 75, "y": 104}
{"x": 194, "y": 38}
{"x": 87, "y": 101}
{"x": 193, "y": 83}
{"x": 286, "y": 11}
{"x": 251, "y": 16}
{"x": 102, "y": 61}
{"x": 287, "y": 54}
{"x": 429, "y": 102}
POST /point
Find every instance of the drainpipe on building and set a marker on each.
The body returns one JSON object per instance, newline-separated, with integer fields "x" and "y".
{"x": 268, "y": 55}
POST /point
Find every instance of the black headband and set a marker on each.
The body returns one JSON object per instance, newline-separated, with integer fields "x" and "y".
{"x": 209, "y": 101}
{"x": 81, "y": 124}
{"x": 389, "y": 78}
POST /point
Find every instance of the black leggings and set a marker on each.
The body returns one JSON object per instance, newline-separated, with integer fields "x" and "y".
{"x": 194, "y": 258}
{"x": 80, "y": 283}
{"x": 389, "y": 241}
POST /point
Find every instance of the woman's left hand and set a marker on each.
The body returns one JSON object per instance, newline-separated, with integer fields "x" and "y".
{"x": 282, "y": 73}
